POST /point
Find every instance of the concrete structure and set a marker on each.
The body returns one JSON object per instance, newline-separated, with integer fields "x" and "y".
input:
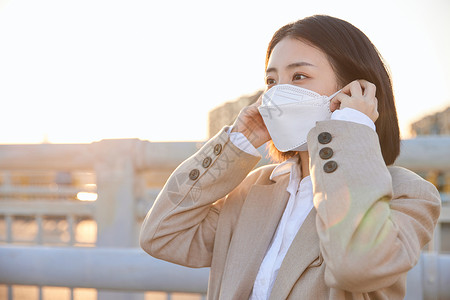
{"x": 39, "y": 188}
{"x": 226, "y": 113}
{"x": 435, "y": 124}
{"x": 133, "y": 270}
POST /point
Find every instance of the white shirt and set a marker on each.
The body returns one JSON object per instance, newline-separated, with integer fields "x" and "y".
{"x": 297, "y": 209}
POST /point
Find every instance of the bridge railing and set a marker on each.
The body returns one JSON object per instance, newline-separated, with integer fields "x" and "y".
{"x": 41, "y": 188}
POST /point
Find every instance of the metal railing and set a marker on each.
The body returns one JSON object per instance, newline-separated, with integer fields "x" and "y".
{"x": 133, "y": 270}
{"x": 115, "y": 269}
{"x": 128, "y": 175}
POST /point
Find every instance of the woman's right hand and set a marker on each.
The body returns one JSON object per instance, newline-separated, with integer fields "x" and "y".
{"x": 250, "y": 123}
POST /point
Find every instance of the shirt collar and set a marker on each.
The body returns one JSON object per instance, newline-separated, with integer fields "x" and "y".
{"x": 288, "y": 166}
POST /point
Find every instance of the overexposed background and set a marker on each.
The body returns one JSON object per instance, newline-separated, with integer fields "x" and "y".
{"x": 85, "y": 70}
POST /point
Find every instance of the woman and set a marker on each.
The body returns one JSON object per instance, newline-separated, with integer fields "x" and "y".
{"x": 333, "y": 220}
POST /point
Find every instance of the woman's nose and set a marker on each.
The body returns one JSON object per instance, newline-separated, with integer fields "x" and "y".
{"x": 283, "y": 80}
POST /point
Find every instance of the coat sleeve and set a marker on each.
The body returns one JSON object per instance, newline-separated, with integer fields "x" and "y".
{"x": 372, "y": 220}
{"x": 180, "y": 226}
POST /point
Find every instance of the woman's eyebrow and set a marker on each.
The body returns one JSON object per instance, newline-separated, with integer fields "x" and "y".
{"x": 293, "y": 65}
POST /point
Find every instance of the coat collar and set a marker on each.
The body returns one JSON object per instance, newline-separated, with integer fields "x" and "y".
{"x": 302, "y": 252}
{"x": 260, "y": 215}
{"x": 259, "y": 218}
{"x": 290, "y": 165}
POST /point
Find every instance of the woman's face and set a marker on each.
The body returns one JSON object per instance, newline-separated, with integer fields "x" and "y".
{"x": 295, "y": 62}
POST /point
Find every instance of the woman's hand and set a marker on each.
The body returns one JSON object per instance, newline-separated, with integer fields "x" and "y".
{"x": 359, "y": 95}
{"x": 250, "y": 123}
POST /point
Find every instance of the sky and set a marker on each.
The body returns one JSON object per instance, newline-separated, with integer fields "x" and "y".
{"x": 81, "y": 71}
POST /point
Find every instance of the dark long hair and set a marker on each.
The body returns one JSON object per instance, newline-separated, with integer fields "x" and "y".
{"x": 352, "y": 56}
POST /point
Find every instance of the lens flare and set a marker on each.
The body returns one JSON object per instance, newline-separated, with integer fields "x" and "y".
{"x": 83, "y": 196}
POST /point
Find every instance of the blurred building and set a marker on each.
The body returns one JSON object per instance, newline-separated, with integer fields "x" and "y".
{"x": 226, "y": 113}
{"x": 435, "y": 124}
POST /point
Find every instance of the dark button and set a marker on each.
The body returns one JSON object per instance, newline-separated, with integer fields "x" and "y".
{"x": 324, "y": 138}
{"x": 206, "y": 162}
{"x": 330, "y": 166}
{"x": 217, "y": 149}
{"x": 194, "y": 174}
{"x": 326, "y": 153}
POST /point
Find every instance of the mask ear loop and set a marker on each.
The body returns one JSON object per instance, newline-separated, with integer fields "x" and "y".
{"x": 334, "y": 95}
{"x": 331, "y": 98}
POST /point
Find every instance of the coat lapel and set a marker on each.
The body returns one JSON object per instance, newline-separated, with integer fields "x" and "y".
{"x": 258, "y": 221}
{"x": 302, "y": 252}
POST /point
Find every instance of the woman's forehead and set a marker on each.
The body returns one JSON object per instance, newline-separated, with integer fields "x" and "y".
{"x": 291, "y": 51}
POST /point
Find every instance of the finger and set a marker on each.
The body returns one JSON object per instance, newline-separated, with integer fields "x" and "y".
{"x": 339, "y": 101}
{"x": 259, "y": 101}
{"x": 375, "y": 114}
{"x": 342, "y": 98}
{"x": 370, "y": 89}
{"x": 334, "y": 104}
{"x": 353, "y": 89}
{"x": 346, "y": 89}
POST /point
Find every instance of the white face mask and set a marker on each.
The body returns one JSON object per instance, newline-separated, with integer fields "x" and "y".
{"x": 290, "y": 112}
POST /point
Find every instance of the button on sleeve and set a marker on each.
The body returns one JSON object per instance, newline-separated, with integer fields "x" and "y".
{"x": 206, "y": 162}
{"x": 324, "y": 138}
{"x": 193, "y": 175}
{"x": 217, "y": 149}
{"x": 330, "y": 166}
{"x": 326, "y": 153}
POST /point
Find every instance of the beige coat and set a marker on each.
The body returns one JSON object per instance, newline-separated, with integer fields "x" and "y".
{"x": 366, "y": 230}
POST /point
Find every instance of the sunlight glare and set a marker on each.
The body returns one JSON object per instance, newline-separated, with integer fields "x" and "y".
{"x": 83, "y": 196}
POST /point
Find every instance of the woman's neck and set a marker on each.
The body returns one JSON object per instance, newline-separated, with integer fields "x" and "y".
{"x": 304, "y": 163}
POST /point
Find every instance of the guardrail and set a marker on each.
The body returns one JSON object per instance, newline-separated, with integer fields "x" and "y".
{"x": 133, "y": 270}
{"x": 116, "y": 269}
{"x": 128, "y": 175}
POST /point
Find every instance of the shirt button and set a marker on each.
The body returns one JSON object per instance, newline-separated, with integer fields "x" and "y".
{"x": 194, "y": 174}
{"x": 330, "y": 166}
{"x": 326, "y": 153}
{"x": 324, "y": 138}
{"x": 217, "y": 149}
{"x": 206, "y": 162}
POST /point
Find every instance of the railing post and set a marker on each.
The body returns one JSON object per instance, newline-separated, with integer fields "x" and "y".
{"x": 115, "y": 212}
{"x": 430, "y": 278}
{"x": 115, "y": 205}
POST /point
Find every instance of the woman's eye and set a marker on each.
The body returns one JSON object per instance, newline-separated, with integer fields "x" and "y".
{"x": 298, "y": 77}
{"x": 270, "y": 81}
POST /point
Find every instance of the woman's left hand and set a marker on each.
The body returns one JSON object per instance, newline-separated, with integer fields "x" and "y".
{"x": 359, "y": 95}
